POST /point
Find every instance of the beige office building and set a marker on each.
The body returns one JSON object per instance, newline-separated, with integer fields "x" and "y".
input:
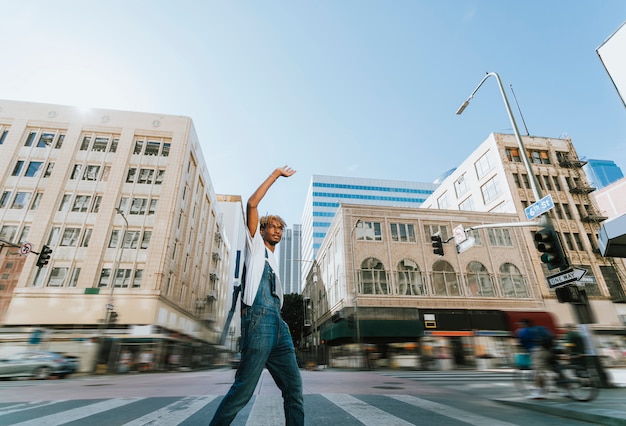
{"x": 139, "y": 259}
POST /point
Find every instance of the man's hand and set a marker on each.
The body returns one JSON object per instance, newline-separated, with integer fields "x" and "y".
{"x": 283, "y": 171}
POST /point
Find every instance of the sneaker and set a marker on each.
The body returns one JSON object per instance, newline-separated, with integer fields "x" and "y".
{"x": 535, "y": 395}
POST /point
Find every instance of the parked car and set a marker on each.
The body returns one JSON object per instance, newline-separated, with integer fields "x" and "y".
{"x": 610, "y": 355}
{"x": 36, "y": 364}
{"x": 73, "y": 362}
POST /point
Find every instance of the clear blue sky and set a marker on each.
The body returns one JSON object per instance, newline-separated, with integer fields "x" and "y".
{"x": 343, "y": 87}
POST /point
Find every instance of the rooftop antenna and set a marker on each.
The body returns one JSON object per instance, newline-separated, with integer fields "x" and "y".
{"x": 518, "y": 109}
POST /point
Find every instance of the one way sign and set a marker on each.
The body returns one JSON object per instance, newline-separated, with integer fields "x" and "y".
{"x": 566, "y": 277}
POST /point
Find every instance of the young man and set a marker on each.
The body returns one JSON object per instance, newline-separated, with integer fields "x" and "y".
{"x": 265, "y": 338}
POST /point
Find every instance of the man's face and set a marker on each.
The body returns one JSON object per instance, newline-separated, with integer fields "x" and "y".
{"x": 273, "y": 232}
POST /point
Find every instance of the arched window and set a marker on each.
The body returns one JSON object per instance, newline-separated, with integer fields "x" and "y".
{"x": 512, "y": 281}
{"x": 445, "y": 281}
{"x": 373, "y": 277}
{"x": 479, "y": 281}
{"x": 409, "y": 279}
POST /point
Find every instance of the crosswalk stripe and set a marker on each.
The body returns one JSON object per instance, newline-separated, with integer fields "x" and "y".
{"x": 448, "y": 411}
{"x": 266, "y": 411}
{"x": 174, "y": 413}
{"x": 78, "y": 413}
{"x": 26, "y": 406}
{"x": 364, "y": 412}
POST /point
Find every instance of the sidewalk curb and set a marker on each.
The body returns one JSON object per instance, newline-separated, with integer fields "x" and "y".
{"x": 572, "y": 410}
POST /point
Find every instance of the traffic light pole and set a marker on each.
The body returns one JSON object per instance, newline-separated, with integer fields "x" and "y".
{"x": 546, "y": 221}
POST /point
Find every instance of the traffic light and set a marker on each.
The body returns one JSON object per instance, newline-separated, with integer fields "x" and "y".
{"x": 44, "y": 256}
{"x": 548, "y": 242}
{"x": 437, "y": 244}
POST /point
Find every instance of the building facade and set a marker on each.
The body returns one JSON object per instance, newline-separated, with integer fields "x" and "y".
{"x": 139, "y": 258}
{"x": 494, "y": 179}
{"x": 327, "y": 193}
{"x": 377, "y": 293}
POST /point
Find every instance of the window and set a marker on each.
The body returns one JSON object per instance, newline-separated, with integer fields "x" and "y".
{"x": 166, "y": 150}
{"x": 557, "y": 184}
{"x": 91, "y": 172}
{"x": 153, "y": 206}
{"x": 500, "y": 237}
{"x": 430, "y": 230}
{"x": 539, "y": 157}
{"x": 45, "y": 140}
{"x": 105, "y": 278}
{"x": 145, "y": 242}
{"x": 373, "y": 277}
{"x": 145, "y": 176}
{"x": 76, "y": 171}
{"x": 57, "y": 277}
{"x": 402, "y": 232}
{"x": 30, "y": 139}
{"x": 130, "y": 177}
{"x": 113, "y": 147}
{"x": 4, "y": 199}
{"x": 3, "y": 136}
{"x": 445, "y": 280}
{"x": 21, "y": 200}
{"x": 548, "y": 182}
{"x": 512, "y": 281}
{"x": 460, "y": 186}
{"x": 138, "y": 278}
{"x": 138, "y": 146}
{"x": 100, "y": 144}
{"x": 479, "y": 281}
{"x": 70, "y": 237}
{"x": 74, "y": 278}
{"x": 8, "y": 233}
{"x": 115, "y": 237}
{"x": 86, "y": 237}
{"x": 516, "y": 180}
{"x": 122, "y": 278}
{"x": 59, "y": 141}
{"x": 131, "y": 239}
{"x": 17, "y": 170}
{"x": 442, "y": 202}
{"x": 567, "y": 211}
{"x": 96, "y": 204}
{"x": 138, "y": 206}
{"x": 54, "y": 236}
{"x": 152, "y": 148}
{"x": 159, "y": 177}
{"x": 34, "y": 169}
{"x": 579, "y": 242}
{"x": 491, "y": 190}
{"x": 65, "y": 202}
{"x": 81, "y": 203}
{"x": 409, "y": 279}
{"x": 368, "y": 231}
{"x": 48, "y": 171}
{"x": 84, "y": 146}
{"x": 24, "y": 234}
{"x": 482, "y": 166}
{"x": 512, "y": 154}
{"x": 467, "y": 205}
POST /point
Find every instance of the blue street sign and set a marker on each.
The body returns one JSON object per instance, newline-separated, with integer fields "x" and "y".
{"x": 539, "y": 208}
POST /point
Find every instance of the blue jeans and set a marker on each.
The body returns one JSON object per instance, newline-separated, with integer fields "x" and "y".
{"x": 265, "y": 343}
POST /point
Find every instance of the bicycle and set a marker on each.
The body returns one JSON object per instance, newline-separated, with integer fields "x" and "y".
{"x": 573, "y": 377}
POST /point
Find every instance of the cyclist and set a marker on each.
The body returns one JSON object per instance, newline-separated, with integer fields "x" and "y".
{"x": 538, "y": 342}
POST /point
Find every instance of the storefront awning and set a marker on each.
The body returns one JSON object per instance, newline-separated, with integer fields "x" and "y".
{"x": 538, "y": 318}
{"x": 410, "y": 329}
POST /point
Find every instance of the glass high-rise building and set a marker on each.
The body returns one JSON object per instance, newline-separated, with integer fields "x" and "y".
{"x": 601, "y": 173}
{"x": 289, "y": 259}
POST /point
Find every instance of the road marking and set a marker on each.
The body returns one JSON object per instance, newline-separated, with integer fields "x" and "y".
{"x": 79, "y": 413}
{"x": 364, "y": 412}
{"x": 26, "y": 406}
{"x": 267, "y": 411}
{"x": 174, "y": 413}
{"x": 448, "y": 411}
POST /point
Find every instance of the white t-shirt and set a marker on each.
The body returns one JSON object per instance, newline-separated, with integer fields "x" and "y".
{"x": 255, "y": 264}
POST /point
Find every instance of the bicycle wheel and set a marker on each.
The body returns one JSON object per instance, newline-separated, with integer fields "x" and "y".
{"x": 581, "y": 383}
{"x": 524, "y": 381}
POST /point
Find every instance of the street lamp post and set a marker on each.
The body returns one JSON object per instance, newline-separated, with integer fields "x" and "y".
{"x": 356, "y": 294}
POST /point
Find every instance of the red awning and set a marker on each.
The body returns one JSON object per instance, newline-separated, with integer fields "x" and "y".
{"x": 538, "y": 318}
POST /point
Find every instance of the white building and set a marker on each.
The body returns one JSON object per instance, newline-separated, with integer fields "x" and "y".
{"x": 126, "y": 203}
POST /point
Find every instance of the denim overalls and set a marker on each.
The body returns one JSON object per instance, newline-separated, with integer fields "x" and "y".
{"x": 265, "y": 342}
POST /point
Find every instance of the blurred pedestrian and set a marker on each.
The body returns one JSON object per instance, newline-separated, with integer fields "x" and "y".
{"x": 265, "y": 338}
{"x": 538, "y": 342}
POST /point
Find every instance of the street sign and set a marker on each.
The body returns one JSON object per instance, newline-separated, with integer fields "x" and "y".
{"x": 468, "y": 243}
{"x": 566, "y": 277}
{"x": 539, "y": 207}
{"x": 459, "y": 234}
{"x": 26, "y": 248}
